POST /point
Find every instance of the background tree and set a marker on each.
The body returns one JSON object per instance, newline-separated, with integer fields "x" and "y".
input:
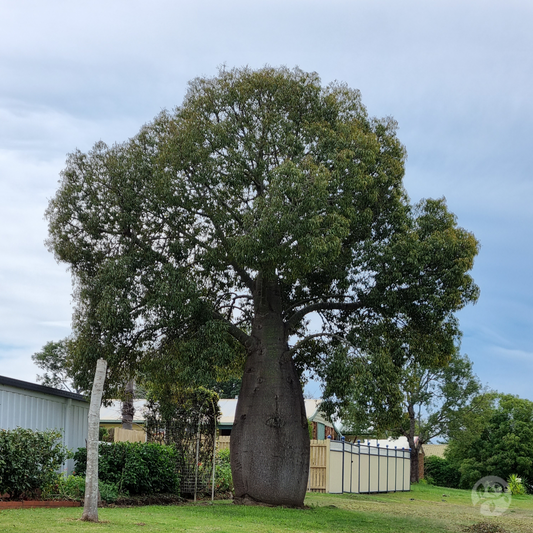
{"x": 499, "y": 444}
{"x": 262, "y": 201}
{"x": 55, "y": 358}
{"x": 436, "y": 401}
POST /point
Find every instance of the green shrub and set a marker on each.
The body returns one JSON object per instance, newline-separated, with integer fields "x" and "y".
{"x": 73, "y": 488}
{"x": 223, "y": 479}
{"x": 29, "y": 460}
{"x": 109, "y": 492}
{"x": 516, "y": 487}
{"x": 139, "y": 468}
{"x": 65, "y": 488}
{"x": 439, "y": 471}
{"x": 104, "y": 436}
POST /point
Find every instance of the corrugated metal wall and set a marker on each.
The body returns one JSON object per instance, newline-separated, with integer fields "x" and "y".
{"x": 342, "y": 467}
{"x": 35, "y": 410}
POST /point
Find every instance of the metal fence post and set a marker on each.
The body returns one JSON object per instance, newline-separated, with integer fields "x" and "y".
{"x": 395, "y": 468}
{"x": 387, "y": 468}
{"x": 369, "y": 465}
{"x": 351, "y": 468}
{"x": 343, "y": 438}
{"x": 359, "y": 468}
{"x": 410, "y": 468}
{"x": 378, "y": 465}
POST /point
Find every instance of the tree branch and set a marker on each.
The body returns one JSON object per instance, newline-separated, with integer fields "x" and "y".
{"x": 323, "y": 334}
{"x": 321, "y": 306}
{"x": 237, "y": 333}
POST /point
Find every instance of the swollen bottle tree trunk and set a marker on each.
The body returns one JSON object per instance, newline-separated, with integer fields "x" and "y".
{"x": 270, "y": 439}
{"x": 90, "y": 507}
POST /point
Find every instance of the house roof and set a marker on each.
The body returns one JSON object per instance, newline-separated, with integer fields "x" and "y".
{"x": 400, "y": 442}
{"x": 26, "y": 385}
{"x": 112, "y": 414}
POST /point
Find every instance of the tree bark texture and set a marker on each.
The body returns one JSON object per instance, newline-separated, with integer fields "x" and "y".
{"x": 90, "y": 506}
{"x": 270, "y": 438}
{"x": 414, "y": 465}
{"x": 415, "y": 447}
{"x": 128, "y": 409}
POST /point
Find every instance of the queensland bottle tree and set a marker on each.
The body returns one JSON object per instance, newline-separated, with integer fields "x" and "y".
{"x": 261, "y": 218}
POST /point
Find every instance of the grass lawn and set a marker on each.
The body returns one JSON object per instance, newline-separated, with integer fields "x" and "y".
{"x": 423, "y": 510}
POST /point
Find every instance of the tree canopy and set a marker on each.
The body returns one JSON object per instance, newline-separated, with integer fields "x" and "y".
{"x": 55, "y": 358}
{"x": 500, "y": 444}
{"x": 424, "y": 402}
{"x": 262, "y": 225}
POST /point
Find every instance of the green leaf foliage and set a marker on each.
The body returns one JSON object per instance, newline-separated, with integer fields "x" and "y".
{"x": 187, "y": 420}
{"x": 423, "y": 401}
{"x": 258, "y": 175}
{"x": 66, "y": 488}
{"x": 500, "y": 444}
{"x": 29, "y": 460}
{"x": 223, "y": 479}
{"x": 262, "y": 222}
{"x": 56, "y": 359}
{"x": 439, "y": 471}
{"x": 134, "y": 467}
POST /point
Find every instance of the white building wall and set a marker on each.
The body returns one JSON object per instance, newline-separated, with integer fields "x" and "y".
{"x": 36, "y": 410}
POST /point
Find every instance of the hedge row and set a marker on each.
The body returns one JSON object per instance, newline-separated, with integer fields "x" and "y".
{"x": 29, "y": 461}
{"x": 135, "y": 467}
{"x": 438, "y": 471}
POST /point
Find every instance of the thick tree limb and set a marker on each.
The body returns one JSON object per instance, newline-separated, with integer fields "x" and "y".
{"x": 321, "y": 306}
{"x": 322, "y": 334}
{"x": 237, "y": 333}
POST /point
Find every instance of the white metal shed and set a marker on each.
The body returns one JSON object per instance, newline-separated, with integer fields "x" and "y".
{"x": 31, "y": 406}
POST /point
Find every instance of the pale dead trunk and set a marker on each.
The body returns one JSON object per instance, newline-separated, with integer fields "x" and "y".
{"x": 270, "y": 438}
{"x": 90, "y": 507}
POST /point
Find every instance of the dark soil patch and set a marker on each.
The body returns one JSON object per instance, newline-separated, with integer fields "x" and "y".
{"x": 485, "y": 527}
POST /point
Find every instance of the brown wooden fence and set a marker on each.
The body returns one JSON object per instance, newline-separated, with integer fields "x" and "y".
{"x": 223, "y": 443}
{"x": 127, "y": 435}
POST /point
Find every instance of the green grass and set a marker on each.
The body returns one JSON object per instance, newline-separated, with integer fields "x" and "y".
{"x": 420, "y": 511}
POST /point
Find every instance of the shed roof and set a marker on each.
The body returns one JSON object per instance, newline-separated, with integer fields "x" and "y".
{"x": 16, "y": 383}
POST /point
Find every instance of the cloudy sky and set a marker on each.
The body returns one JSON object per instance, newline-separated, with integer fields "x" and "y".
{"x": 457, "y": 75}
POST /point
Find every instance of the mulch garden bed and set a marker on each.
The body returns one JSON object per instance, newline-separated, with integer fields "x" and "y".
{"x": 132, "y": 501}
{"x": 30, "y": 504}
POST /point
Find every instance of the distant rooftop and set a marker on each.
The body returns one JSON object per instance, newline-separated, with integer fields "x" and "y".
{"x": 113, "y": 413}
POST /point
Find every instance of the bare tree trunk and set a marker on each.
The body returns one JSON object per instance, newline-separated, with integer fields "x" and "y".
{"x": 415, "y": 478}
{"x": 128, "y": 410}
{"x": 270, "y": 436}
{"x": 415, "y": 447}
{"x": 90, "y": 507}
